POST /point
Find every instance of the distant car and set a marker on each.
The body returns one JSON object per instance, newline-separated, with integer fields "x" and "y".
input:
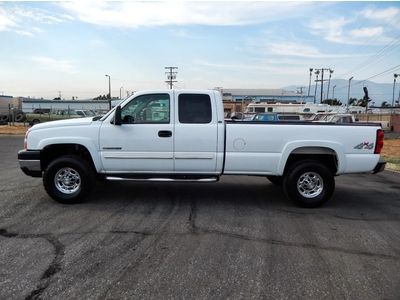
{"x": 265, "y": 117}
{"x": 39, "y": 116}
{"x": 271, "y": 117}
{"x": 85, "y": 113}
{"x": 335, "y": 118}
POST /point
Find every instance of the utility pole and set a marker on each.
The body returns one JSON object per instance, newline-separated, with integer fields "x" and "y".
{"x": 109, "y": 90}
{"x": 348, "y": 92}
{"x": 316, "y": 84}
{"x": 301, "y": 92}
{"x": 322, "y": 80}
{"x": 329, "y": 83}
{"x": 333, "y": 92}
{"x": 309, "y": 84}
{"x": 171, "y": 75}
{"x": 394, "y": 86}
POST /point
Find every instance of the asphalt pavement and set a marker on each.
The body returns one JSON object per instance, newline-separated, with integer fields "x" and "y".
{"x": 239, "y": 238}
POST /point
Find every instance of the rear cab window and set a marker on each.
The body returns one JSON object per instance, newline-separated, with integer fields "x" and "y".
{"x": 194, "y": 109}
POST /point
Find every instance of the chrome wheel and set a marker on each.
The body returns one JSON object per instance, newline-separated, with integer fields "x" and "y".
{"x": 310, "y": 185}
{"x": 67, "y": 180}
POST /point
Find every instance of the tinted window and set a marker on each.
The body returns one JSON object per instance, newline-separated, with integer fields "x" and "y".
{"x": 194, "y": 108}
{"x": 153, "y": 108}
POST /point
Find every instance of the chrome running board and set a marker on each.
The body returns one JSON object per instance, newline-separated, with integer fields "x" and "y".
{"x": 211, "y": 179}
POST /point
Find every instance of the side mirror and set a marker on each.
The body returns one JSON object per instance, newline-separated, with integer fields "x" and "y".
{"x": 117, "y": 116}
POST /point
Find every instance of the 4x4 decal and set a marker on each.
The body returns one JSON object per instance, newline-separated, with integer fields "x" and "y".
{"x": 365, "y": 145}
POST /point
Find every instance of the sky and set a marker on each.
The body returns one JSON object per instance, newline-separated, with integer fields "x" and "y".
{"x": 49, "y": 48}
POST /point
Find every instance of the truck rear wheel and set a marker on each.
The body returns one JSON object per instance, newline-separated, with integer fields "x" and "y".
{"x": 309, "y": 183}
{"x": 68, "y": 179}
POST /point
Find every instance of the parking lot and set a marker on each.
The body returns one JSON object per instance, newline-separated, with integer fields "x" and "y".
{"x": 239, "y": 238}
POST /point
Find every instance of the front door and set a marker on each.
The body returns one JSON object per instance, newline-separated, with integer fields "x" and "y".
{"x": 144, "y": 141}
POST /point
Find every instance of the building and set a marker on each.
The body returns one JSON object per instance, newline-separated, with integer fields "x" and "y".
{"x": 29, "y": 104}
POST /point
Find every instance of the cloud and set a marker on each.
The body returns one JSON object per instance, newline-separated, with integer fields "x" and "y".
{"x": 331, "y": 30}
{"x": 252, "y": 67}
{"x": 6, "y": 21}
{"x": 151, "y": 13}
{"x": 389, "y": 14}
{"x": 65, "y": 66}
{"x": 293, "y": 49}
{"x": 367, "y": 32}
{"x": 22, "y": 20}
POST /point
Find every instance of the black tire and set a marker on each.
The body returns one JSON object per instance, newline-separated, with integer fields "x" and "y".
{"x": 277, "y": 180}
{"x": 3, "y": 118}
{"x": 308, "y": 183}
{"x": 20, "y": 117}
{"x": 76, "y": 179}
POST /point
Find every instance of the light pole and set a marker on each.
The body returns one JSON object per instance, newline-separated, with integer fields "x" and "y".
{"x": 394, "y": 86}
{"x": 316, "y": 84}
{"x": 109, "y": 89}
{"x": 348, "y": 92}
{"x": 329, "y": 82}
{"x": 309, "y": 84}
{"x": 333, "y": 92}
{"x": 120, "y": 92}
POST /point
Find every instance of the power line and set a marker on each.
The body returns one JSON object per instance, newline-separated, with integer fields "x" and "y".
{"x": 377, "y": 56}
{"x": 392, "y": 69}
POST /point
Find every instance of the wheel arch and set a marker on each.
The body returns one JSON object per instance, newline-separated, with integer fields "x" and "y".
{"x": 328, "y": 153}
{"x": 56, "y": 150}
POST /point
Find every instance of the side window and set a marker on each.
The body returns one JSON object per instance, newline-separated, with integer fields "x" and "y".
{"x": 194, "y": 108}
{"x": 259, "y": 109}
{"x": 152, "y": 108}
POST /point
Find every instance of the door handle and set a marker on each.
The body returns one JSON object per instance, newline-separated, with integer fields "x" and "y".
{"x": 165, "y": 133}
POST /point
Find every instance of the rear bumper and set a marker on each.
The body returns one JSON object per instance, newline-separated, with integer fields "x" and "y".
{"x": 29, "y": 162}
{"x": 380, "y": 166}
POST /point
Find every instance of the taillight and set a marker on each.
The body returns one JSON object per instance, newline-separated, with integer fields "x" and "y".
{"x": 26, "y": 140}
{"x": 379, "y": 141}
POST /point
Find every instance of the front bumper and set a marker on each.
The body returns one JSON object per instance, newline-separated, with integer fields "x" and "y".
{"x": 380, "y": 166}
{"x": 29, "y": 161}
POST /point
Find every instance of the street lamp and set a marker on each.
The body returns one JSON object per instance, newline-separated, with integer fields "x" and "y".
{"x": 109, "y": 89}
{"x": 394, "y": 86}
{"x": 316, "y": 84}
{"x": 309, "y": 84}
{"x": 329, "y": 82}
{"x": 348, "y": 92}
{"x": 333, "y": 92}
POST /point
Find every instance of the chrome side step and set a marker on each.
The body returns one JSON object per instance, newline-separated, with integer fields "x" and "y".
{"x": 210, "y": 179}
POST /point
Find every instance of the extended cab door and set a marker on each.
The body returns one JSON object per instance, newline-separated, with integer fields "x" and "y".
{"x": 196, "y": 133}
{"x": 144, "y": 141}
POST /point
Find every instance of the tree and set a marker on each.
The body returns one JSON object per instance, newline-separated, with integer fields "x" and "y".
{"x": 333, "y": 102}
{"x": 385, "y": 104}
{"x": 353, "y": 101}
{"x": 363, "y": 102}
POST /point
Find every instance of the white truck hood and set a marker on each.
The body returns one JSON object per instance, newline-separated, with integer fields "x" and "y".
{"x": 63, "y": 123}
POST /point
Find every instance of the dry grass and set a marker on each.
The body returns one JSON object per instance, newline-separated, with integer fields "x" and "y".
{"x": 13, "y": 130}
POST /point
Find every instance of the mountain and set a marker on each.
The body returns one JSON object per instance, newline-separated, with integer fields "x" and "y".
{"x": 377, "y": 92}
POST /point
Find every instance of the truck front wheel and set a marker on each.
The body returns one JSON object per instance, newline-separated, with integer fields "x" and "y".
{"x": 68, "y": 179}
{"x": 308, "y": 183}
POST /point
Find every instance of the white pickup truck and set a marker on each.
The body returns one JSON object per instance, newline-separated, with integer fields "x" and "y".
{"x": 181, "y": 135}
